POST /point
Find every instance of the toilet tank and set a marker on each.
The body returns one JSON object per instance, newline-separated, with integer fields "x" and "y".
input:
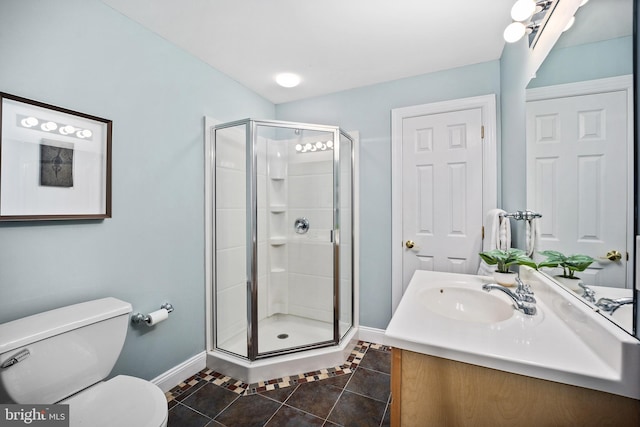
{"x": 61, "y": 351}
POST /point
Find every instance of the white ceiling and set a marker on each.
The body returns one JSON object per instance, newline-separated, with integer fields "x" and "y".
{"x": 332, "y": 44}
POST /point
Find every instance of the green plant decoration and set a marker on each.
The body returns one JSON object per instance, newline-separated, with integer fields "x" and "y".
{"x": 570, "y": 264}
{"x": 504, "y": 259}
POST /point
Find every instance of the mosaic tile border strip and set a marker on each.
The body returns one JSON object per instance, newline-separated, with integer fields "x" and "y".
{"x": 207, "y": 375}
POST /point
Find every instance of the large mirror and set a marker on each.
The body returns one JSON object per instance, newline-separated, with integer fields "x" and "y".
{"x": 580, "y": 151}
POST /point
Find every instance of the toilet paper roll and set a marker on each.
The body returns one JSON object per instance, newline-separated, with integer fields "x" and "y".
{"x": 157, "y": 316}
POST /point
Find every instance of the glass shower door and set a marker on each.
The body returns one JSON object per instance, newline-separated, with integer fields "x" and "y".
{"x": 296, "y": 189}
{"x": 283, "y": 247}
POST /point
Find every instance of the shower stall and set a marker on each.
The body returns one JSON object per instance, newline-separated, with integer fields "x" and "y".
{"x": 282, "y": 248}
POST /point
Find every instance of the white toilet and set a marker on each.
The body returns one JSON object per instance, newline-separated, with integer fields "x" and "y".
{"x": 63, "y": 356}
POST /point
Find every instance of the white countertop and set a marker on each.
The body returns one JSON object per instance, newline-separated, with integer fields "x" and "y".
{"x": 550, "y": 345}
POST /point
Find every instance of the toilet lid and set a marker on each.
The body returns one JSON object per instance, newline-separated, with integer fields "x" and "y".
{"x": 122, "y": 401}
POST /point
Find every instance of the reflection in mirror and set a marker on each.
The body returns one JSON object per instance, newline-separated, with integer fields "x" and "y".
{"x": 580, "y": 154}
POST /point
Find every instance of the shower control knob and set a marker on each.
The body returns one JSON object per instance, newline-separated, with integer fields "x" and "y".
{"x": 410, "y": 244}
{"x": 301, "y": 225}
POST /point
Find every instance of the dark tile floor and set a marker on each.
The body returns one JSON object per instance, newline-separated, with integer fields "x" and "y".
{"x": 359, "y": 398}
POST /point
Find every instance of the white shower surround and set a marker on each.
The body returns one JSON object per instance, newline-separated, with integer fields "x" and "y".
{"x": 310, "y": 263}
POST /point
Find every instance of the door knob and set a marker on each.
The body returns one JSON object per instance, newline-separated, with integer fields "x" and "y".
{"x": 410, "y": 244}
{"x": 613, "y": 256}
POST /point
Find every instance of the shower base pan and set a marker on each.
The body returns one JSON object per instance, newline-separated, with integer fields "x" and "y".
{"x": 288, "y": 364}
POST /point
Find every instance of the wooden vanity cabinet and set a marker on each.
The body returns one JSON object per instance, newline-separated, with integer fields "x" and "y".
{"x": 432, "y": 391}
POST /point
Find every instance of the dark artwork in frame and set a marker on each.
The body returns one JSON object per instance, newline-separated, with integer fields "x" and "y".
{"x": 56, "y": 165}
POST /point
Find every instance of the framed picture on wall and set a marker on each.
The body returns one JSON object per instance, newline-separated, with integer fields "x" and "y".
{"x": 54, "y": 163}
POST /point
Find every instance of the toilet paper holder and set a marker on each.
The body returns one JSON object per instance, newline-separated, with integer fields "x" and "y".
{"x": 138, "y": 318}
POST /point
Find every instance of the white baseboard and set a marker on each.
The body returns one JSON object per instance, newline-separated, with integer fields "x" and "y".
{"x": 372, "y": 335}
{"x": 174, "y": 376}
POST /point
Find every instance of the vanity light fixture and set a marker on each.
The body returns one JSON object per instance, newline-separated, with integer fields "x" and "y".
{"x": 521, "y": 12}
{"x": 317, "y": 146}
{"x": 288, "y": 79}
{"x": 34, "y": 123}
{"x": 528, "y": 17}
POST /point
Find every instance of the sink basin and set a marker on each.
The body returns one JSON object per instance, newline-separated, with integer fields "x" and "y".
{"x": 466, "y": 304}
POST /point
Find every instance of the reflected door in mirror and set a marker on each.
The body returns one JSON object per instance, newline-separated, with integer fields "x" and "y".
{"x": 577, "y": 177}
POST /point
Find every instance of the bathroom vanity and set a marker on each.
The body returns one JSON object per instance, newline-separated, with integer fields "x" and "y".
{"x": 459, "y": 359}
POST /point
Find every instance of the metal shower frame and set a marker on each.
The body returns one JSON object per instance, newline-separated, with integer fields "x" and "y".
{"x": 251, "y": 126}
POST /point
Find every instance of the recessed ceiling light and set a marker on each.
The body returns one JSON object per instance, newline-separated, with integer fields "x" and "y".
{"x": 288, "y": 79}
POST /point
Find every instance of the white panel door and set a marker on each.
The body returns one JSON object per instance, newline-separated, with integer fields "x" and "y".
{"x": 442, "y": 192}
{"x": 577, "y": 179}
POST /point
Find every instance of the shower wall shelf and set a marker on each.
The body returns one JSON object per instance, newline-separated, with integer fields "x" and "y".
{"x": 277, "y": 241}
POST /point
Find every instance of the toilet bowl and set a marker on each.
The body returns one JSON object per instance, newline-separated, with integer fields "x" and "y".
{"x": 64, "y": 355}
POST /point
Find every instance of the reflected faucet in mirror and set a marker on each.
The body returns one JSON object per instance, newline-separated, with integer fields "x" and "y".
{"x": 611, "y": 305}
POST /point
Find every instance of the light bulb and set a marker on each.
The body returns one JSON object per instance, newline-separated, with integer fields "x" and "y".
{"x": 307, "y": 146}
{"x": 66, "y": 130}
{"x": 514, "y": 32}
{"x": 298, "y": 147}
{"x": 29, "y": 122}
{"x": 570, "y": 23}
{"x": 87, "y": 133}
{"x": 48, "y": 126}
{"x": 330, "y": 144}
{"x": 288, "y": 79}
{"x": 523, "y": 10}
{"x": 319, "y": 144}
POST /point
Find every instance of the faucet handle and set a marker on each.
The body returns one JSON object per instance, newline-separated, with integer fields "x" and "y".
{"x": 587, "y": 293}
{"x": 524, "y": 292}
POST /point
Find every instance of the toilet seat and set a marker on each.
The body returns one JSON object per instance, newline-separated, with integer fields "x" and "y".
{"x": 122, "y": 401}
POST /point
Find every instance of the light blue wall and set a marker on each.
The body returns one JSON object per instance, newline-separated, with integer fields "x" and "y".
{"x": 368, "y": 110}
{"x": 589, "y": 61}
{"x": 82, "y": 55}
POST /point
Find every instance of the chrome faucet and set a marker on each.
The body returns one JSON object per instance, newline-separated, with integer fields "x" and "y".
{"x": 524, "y": 306}
{"x": 611, "y": 305}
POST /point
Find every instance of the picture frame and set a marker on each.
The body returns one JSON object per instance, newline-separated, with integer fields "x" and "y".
{"x": 55, "y": 163}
